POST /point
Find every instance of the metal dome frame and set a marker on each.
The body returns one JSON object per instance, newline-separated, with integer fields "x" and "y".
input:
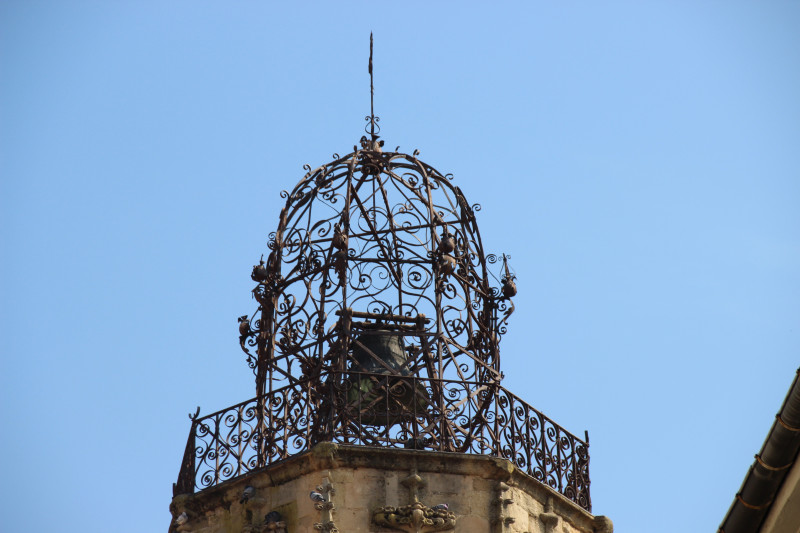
{"x": 397, "y": 247}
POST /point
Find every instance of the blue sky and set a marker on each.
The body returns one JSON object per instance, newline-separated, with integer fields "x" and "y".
{"x": 638, "y": 160}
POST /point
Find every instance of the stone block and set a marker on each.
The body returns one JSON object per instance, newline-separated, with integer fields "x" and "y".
{"x": 487, "y": 494}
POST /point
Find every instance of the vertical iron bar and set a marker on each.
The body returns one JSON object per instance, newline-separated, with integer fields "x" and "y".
{"x": 241, "y": 447}
{"x": 371, "y": 93}
{"x": 543, "y": 445}
{"x": 218, "y": 447}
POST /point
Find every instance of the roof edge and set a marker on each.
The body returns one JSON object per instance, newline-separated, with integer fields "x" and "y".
{"x": 772, "y": 464}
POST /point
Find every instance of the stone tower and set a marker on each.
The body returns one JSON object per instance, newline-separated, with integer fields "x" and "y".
{"x": 375, "y": 349}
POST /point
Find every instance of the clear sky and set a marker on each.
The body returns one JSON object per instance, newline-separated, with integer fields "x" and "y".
{"x": 640, "y": 162}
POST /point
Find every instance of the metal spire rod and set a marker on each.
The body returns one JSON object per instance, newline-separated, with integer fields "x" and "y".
{"x": 371, "y": 94}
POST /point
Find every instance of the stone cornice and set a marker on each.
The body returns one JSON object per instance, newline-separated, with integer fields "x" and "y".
{"x": 327, "y": 456}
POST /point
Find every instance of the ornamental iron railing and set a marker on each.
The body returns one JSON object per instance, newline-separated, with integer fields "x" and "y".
{"x": 384, "y": 411}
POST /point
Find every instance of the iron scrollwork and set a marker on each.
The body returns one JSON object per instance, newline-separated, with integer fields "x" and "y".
{"x": 381, "y": 233}
{"x": 378, "y": 324}
{"x": 233, "y": 442}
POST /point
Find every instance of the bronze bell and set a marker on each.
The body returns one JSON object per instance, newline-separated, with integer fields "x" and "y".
{"x": 381, "y": 401}
{"x": 388, "y": 348}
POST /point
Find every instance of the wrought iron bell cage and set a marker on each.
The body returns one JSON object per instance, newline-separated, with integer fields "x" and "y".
{"x": 372, "y": 246}
{"x": 377, "y": 325}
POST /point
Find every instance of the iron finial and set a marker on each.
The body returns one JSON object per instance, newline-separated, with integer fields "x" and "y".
{"x": 372, "y": 120}
{"x": 509, "y": 287}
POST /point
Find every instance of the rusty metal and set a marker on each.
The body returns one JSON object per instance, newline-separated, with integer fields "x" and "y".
{"x": 229, "y": 444}
{"x": 393, "y": 251}
{"x": 186, "y": 475}
{"x": 356, "y": 248}
{"x": 380, "y": 243}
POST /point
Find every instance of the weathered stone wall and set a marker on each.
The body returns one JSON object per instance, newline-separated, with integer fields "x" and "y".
{"x": 485, "y": 494}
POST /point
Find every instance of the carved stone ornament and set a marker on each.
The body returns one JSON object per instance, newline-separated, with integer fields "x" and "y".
{"x": 327, "y": 527}
{"x": 326, "y": 507}
{"x": 265, "y": 527}
{"x": 414, "y": 518}
{"x": 273, "y": 523}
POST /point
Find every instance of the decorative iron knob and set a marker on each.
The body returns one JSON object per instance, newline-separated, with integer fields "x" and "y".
{"x": 259, "y": 271}
{"x": 244, "y": 326}
{"x": 339, "y": 238}
{"x": 509, "y": 288}
{"x": 447, "y": 243}
{"x": 447, "y": 264}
